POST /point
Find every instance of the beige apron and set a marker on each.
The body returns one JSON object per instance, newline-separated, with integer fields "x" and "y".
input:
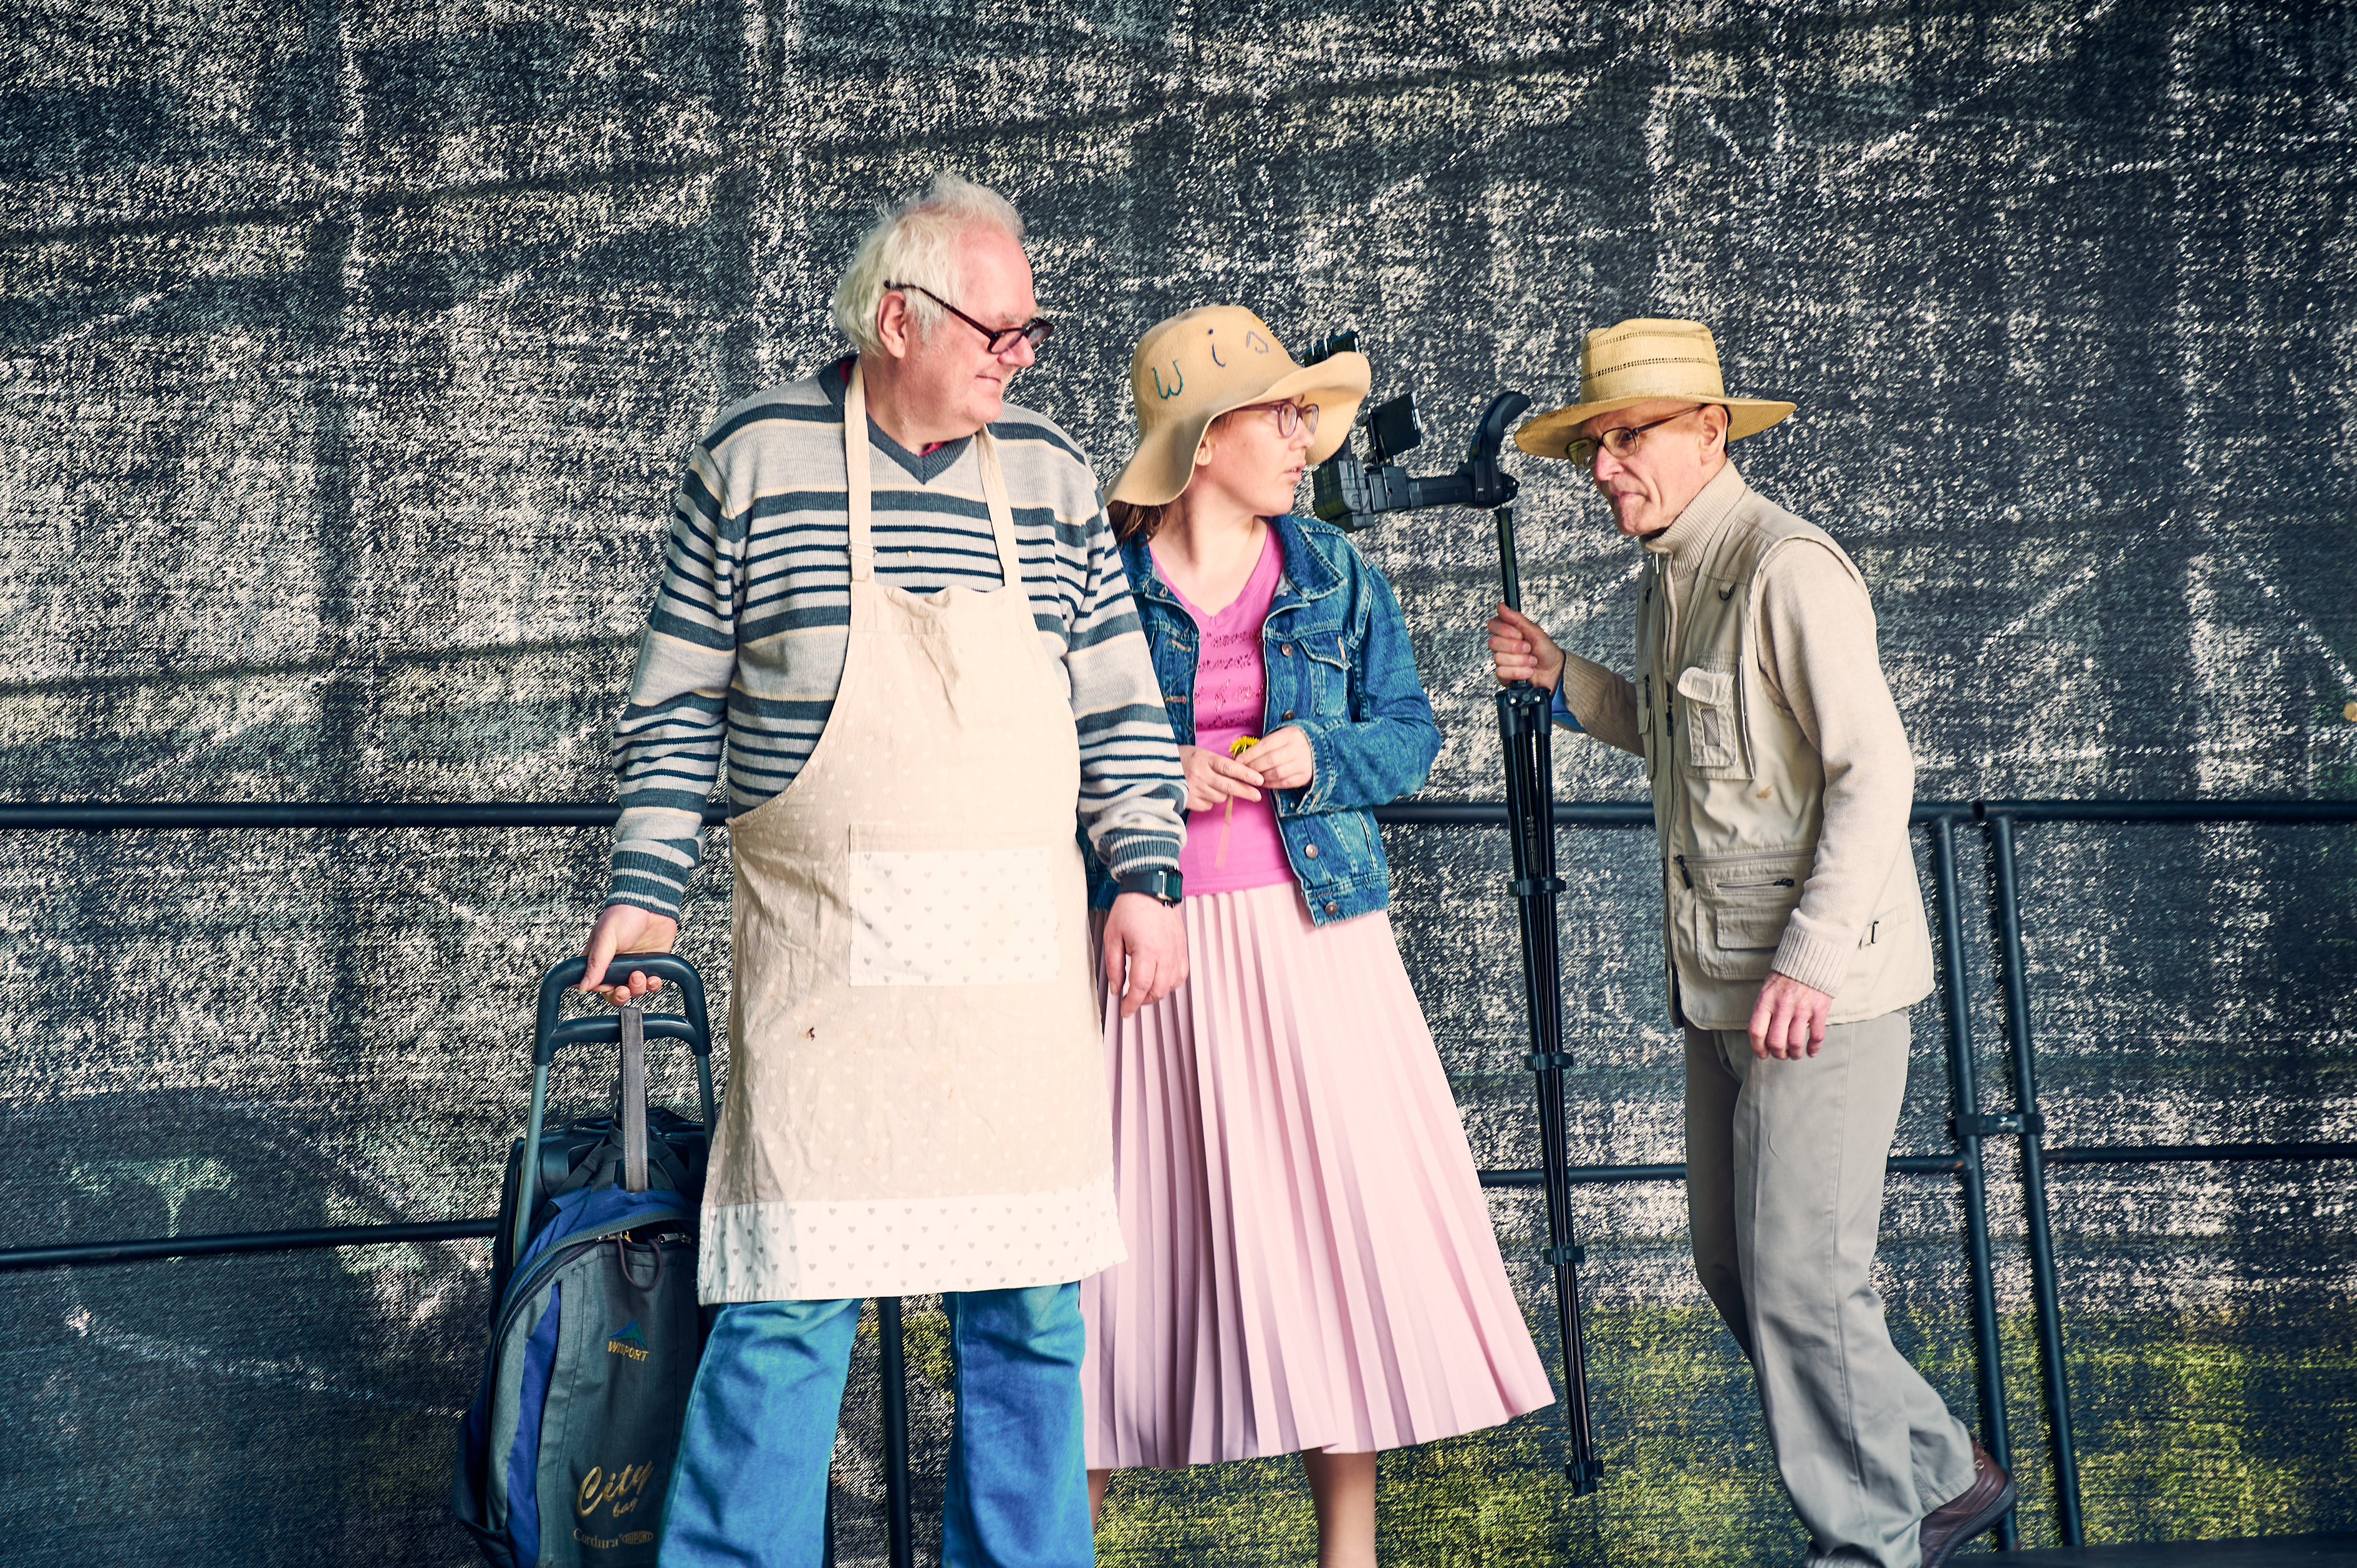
{"x": 916, "y": 1093}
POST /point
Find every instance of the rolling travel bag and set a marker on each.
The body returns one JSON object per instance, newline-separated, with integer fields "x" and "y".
{"x": 567, "y": 1451}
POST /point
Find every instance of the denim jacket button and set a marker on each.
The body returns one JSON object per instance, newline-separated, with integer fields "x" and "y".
{"x": 1285, "y": 649}
{"x": 1288, "y": 712}
{"x": 1333, "y": 908}
{"x": 1310, "y": 850}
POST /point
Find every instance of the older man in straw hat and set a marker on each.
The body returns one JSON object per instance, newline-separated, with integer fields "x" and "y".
{"x": 1795, "y": 934}
{"x": 894, "y": 598}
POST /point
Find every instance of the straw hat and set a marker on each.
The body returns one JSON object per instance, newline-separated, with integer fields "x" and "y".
{"x": 1197, "y": 366}
{"x": 1643, "y": 361}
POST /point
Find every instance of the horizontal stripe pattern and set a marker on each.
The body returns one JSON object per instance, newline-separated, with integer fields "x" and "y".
{"x": 743, "y": 647}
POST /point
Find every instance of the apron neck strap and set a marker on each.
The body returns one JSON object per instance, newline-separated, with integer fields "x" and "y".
{"x": 857, "y": 493}
{"x": 854, "y": 474}
{"x": 1002, "y": 514}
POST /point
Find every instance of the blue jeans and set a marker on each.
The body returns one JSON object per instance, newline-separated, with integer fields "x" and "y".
{"x": 750, "y": 1484}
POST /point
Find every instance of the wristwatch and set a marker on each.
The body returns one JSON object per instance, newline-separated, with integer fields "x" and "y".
{"x": 1162, "y": 884}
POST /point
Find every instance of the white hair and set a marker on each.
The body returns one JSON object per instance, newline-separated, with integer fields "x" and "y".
{"x": 916, "y": 243}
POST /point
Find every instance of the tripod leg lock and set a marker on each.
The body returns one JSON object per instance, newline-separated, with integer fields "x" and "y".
{"x": 1585, "y": 1474}
{"x": 1541, "y": 1061}
{"x": 1559, "y": 1257}
{"x": 1529, "y": 886}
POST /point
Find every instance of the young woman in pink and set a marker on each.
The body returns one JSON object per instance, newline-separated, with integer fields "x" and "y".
{"x": 1311, "y": 1267}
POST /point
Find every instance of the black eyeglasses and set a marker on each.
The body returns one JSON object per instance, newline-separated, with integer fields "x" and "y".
{"x": 1035, "y": 331}
{"x": 1621, "y": 443}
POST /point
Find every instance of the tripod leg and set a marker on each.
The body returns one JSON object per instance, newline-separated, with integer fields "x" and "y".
{"x": 1523, "y": 720}
{"x": 1525, "y": 733}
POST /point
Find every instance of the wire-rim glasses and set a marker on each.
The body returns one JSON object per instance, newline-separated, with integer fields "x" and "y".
{"x": 1621, "y": 443}
{"x": 1035, "y": 331}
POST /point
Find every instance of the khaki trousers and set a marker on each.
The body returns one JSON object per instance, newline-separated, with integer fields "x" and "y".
{"x": 1785, "y": 1168}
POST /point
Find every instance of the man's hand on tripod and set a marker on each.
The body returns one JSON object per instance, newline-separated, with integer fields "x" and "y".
{"x": 1522, "y": 651}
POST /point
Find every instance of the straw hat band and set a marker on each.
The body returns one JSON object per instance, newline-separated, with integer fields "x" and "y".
{"x": 1597, "y": 372}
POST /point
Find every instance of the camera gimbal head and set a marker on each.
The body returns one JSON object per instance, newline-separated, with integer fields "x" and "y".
{"x": 1351, "y": 492}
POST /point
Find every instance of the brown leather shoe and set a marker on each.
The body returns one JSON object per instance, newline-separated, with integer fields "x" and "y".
{"x": 1960, "y": 1518}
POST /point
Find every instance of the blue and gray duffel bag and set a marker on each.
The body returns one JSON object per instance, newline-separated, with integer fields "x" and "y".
{"x": 566, "y": 1453}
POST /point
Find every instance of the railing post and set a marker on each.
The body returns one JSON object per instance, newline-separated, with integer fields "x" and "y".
{"x": 2015, "y": 973}
{"x": 892, "y": 1371}
{"x": 1964, "y": 1100}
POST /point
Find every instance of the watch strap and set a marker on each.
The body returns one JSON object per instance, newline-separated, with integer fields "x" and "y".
{"x": 1165, "y": 885}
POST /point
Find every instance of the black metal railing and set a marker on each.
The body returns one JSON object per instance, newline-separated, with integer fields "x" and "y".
{"x": 1970, "y": 1125}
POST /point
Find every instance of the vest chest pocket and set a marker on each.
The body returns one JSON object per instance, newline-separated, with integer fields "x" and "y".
{"x": 1713, "y": 739}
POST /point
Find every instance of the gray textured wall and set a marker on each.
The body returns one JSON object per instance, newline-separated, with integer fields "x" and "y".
{"x": 346, "y": 352}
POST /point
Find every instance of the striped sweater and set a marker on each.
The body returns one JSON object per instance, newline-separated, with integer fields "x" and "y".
{"x": 746, "y": 642}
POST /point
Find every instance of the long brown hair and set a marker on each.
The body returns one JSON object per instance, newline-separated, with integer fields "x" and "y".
{"x": 1133, "y": 523}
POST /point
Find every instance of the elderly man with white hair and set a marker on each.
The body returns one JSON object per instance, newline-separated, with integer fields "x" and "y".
{"x": 895, "y": 600}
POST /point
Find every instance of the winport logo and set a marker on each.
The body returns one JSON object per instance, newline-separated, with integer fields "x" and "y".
{"x": 627, "y": 1341}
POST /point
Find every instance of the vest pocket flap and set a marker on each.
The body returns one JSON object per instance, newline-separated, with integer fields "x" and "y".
{"x": 1711, "y": 688}
{"x": 1744, "y": 921}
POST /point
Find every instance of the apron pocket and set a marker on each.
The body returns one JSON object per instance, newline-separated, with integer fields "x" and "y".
{"x": 952, "y": 916}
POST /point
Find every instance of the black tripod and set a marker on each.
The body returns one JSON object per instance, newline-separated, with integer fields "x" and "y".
{"x": 1350, "y": 492}
{"x": 1524, "y": 732}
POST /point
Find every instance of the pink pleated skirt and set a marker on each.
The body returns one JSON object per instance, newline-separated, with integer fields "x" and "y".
{"x": 1311, "y": 1263}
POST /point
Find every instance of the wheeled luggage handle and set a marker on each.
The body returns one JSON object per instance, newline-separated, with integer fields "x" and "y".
{"x": 607, "y": 1030}
{"x": 548, "y": 1033}
{"x": 563, "y": 976}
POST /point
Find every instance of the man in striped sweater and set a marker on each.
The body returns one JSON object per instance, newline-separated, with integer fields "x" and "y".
{"x": 746, "y": 648}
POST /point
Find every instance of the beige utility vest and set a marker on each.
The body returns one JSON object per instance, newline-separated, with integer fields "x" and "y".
{"x": 915, "y": 1090}
{"x": 1738, "y": 791}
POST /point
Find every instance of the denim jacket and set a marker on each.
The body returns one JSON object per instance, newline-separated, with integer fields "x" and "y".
{"x": 1340, "y": 671}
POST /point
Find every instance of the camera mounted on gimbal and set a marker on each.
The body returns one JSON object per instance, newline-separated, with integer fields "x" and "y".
{"x": 1350, "y": 492}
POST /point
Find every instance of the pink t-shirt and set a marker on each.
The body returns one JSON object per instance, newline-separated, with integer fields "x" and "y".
{"x": 1224, "y": 854}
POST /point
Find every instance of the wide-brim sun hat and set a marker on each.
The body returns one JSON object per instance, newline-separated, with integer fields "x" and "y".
{"x": 1203, "y": 363}
{"x": 1645, "y": 361}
